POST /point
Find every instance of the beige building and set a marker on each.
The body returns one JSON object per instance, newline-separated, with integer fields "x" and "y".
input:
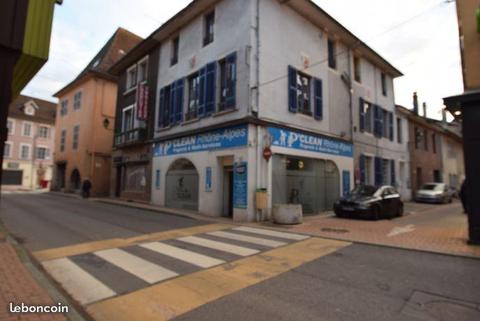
{"x": 85, "y": 120}
{"x": 469, "y": 21}
{"x": 452, "y": 155}
{"x": 28, "y": 150}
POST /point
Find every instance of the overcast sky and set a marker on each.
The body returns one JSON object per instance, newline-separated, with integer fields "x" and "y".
{"x": 419, "y": 37}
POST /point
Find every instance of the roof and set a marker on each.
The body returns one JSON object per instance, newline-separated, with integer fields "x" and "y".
{"x": 44, "y": 114}
{"x": 120, "y": 43}
{"x": 306, "y": 8}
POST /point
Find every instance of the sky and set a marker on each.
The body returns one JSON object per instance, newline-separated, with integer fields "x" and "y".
{"x": 418, "y": 37}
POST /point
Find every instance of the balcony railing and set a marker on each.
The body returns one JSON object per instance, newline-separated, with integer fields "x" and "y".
{"x": 133, "y": 136}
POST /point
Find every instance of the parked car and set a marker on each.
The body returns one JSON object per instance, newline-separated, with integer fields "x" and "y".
{"x": 367, "y": 201}
{"x": 434, "y": 193}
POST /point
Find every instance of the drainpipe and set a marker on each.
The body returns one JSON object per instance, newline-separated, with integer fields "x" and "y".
{"x": 259, "y": 161}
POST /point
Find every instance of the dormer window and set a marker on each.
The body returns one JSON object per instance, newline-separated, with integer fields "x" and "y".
{"x": 30, "y": 111}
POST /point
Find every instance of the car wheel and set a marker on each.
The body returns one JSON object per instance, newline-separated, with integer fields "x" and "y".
{"x": 400, "y": 211}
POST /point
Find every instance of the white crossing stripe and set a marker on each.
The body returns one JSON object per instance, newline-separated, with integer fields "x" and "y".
{"x": 145, "y": 270}
{"x": 248, "y": 239}
{"x": 225, "y": 247}
{"x": 288, "y": 236}
{"x": 81, "y": 285}
{"x": 200, "y": 260}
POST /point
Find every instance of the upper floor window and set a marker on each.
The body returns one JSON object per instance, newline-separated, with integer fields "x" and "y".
{"x": 10, "y": 127}
{"x": 209, "y": 28}
{"x": 366, "y": 116}
{"x": 332, "y": 54}
{"x": 24, "y": 151}
{"x": 63, "y": 138}
{"x": 27, "y": 129}
{"x": 64, "y": 107}
{"x": 42, "y": 153}
{"x": 77, "y": 101}
{"x": 143, "y": 71}
{"x": 384, "y": 84}
{"x": 399, "y": 131}
{"x": 132, "y": 77}
{"x": 434, "y": 143}
{"x": 357, "y": 69}
{"x": 193, "y": 97}
{"x": 76, "y": 137}
{"x": 128, "y": 119}
{"x": 43, "y": 132}
{"x": 418, "y": 137}
{"x": 175, "y": 50}
{"x": 228, "y": 82}
{"x": 300, "y": 97}
{"x": 7, "y": 150}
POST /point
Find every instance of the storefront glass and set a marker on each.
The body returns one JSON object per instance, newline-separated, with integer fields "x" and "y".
{"x": 182, "y": 185}
{"x": 135, "y": 179}
{"x": 314, "y": 183}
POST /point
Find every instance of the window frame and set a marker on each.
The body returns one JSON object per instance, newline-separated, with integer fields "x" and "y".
{"x": 10, "y": 149}
{"x": 223, "y": 69}
{"x": 20, "y": 151}
{"x": 11, "y": 130}
{"x": 191, "y": 114}
{"x": 301, "y": 109}
{"x": 131, "y": 79}
{"x": 399, "y": 130}
{"x": 383, "y": 81}
{"x": 357, "y": 69}
{"x": 125, "y": 109}
{"x": 46, "y": 155}
{"x": 77, "y": 102}
{"x": 142, "y": 61}
{"x": 368, "y": 117}
{"x": 64, "y": 107}
{"x": 332, "y": 53}
{"x": 63, "y": 140}
{"x": 76, "y": 133}
{"x": 174, "y": 50}
{"x": 208, "y": 37}
{"x": 39, "y": 130}
{"x": 23, "y": 128}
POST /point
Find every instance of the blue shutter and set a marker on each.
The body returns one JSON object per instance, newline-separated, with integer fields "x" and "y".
{"x": 361, "y": 108}
{"x": 231, "y": 62}
{"x": 392, "y": 173}
{"x": 161, "y": 107}
{"x": 202, "y": 89}
{"x": 378, "y": 113}
{"x": 318, "y": 98}
{"x": 179, "y": 101}
{"x": 292, "y": 90}
{"x": 172, "y": 103}
{"x": 390, "y": 125}
{"x": 210, "y": 88}
{"x": 378, "y": 171}
{"x": 363, "y": 178}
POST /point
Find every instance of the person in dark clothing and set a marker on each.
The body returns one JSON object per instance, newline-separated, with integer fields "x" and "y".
{"x": 464, "y": 196}
{"x": 86, "y": 187}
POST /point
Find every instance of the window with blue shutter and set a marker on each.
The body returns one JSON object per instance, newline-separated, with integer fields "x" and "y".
{"x": 172, "y": 103}
{"x": 378, "y": 115}
{"x": 318, "y": 99}
{"x": 362, "y": 170}
{"x": 210, "y": 82}
{"x": 292, "y": 90}
{"x": 392, "y": 173}
{"x": 378, "y": 171}
{"x": 228, "y": 82}
{"x": 164, "y": 107}
{"x": 390, "y": 125}
{"x": 161, "y": 108}
{"x": 202, "y": 96}
{"x": 179, "y": 101}
{"x": 361, "y": 109}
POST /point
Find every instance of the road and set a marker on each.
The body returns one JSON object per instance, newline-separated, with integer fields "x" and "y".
{"x": 151, "y": 266}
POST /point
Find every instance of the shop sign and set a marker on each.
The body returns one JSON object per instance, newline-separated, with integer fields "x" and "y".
{"x": 142, "y": 101}
{"x": 295, "y": 140}
{"x": 267, "y": 153}
{"x": 240, "y": 185}
{"x": 219, "y": 139}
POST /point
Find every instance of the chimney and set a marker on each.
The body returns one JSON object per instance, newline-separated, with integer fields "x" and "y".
{"x": 415, "y": 103}
{"x": 424, "y": 110}
{"x": 444, "y": 116}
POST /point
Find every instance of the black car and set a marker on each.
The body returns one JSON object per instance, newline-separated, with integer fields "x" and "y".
{"x": 370, "y": 202}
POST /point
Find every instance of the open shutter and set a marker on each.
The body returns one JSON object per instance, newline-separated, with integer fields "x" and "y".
{"x": 363, "y": 178}
{"x": 179, "y": 101}
{"x": 172, "y": 103}
{"x": 210, "y": 88}
{"x": 390, "y": 125}
{"x": 161, "y": 108}
{"x": 361, "y": 109}
{"x": 318, "y": 99}
{"x": 230, "y": 99}
{"x": 393, "y": 177}
{"x": 202, "y": 90}
{"x": 292, "y": 90}
{"x": 378, "y": 171}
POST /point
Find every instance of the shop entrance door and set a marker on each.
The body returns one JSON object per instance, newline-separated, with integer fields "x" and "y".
{"x": 228, "y": 191}
{"x": 182, "y": 185}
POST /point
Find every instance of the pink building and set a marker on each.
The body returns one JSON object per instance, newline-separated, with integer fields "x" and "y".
{"x": 28, "y": 159}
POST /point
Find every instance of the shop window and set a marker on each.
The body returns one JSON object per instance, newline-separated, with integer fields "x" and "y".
{"x": 182, "y": 185}
{"x": 228, "y": 81}
{"x": 313, "y": 183}
{"x": 134, "y": 179}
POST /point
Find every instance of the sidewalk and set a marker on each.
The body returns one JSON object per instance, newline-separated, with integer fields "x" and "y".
{"x": 447, "y": 235}
{"x": 18, "y": 286}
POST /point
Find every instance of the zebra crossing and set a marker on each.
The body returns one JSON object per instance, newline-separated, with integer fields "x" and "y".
{"x": 104, "y": 274}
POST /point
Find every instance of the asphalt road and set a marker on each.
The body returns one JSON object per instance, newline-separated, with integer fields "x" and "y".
{"x": 45, "y": 221}
{"x": 360, "y": 282}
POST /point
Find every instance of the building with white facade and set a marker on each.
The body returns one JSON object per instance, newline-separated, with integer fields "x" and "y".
{"x": 254, "y": 97}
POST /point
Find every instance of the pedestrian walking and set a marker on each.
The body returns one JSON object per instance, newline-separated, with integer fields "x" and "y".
{"x": 86, "y": 187}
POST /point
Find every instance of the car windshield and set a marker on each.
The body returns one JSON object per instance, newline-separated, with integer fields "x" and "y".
{"x": 364, "y": 190}
{"x": 432, "y": 187}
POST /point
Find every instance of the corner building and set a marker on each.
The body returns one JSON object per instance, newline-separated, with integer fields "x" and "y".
{"x": 253, "y": 96}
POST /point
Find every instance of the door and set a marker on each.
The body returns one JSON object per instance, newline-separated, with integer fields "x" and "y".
{"x": 12, "y": 178}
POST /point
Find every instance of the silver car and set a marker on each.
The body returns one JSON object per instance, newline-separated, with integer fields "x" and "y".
{"x": 434, "y": 193}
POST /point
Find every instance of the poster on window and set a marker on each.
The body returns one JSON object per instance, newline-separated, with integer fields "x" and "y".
{"x": 240, "y": 185}
{"x": 142, "y": 102}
